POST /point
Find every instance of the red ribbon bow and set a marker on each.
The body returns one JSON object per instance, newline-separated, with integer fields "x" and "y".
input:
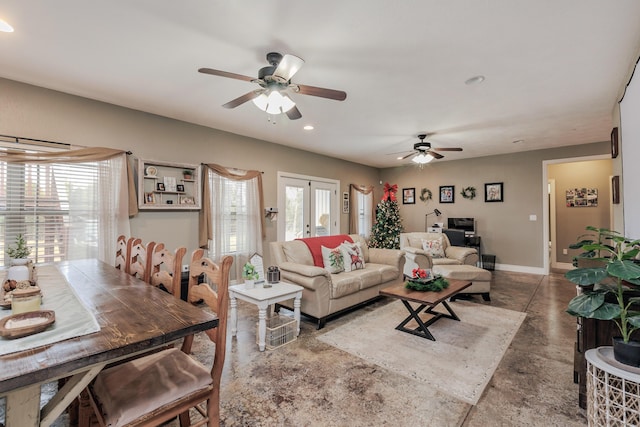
{"x": 390, "y": 192}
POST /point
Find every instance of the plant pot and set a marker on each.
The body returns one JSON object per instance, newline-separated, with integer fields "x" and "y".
{"x": 18, "y": 270}
{"x": 627, "y": 353}
{"x": 249, "y": 284}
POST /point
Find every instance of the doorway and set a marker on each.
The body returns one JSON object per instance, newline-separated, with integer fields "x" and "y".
{"x": 308, "y": 206}
{"x": 555, "y": 226}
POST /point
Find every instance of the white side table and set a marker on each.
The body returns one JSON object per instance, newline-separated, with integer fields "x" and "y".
{"x": 263, "y": 298}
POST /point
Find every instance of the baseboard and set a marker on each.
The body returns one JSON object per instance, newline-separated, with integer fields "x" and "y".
{"x": 519, "y": 268}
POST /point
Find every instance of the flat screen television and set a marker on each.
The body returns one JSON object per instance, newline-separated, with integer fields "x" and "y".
{"x": 466, "y": 224}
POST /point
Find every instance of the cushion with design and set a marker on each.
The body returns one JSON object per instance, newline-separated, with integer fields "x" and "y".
{"x": 434, "y": 247}
{"x": 353, "y": 256}
{"x": 332, "y": 259}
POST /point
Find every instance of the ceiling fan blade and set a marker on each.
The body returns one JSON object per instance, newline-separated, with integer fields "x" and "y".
{"x": 225, "y": 74}
{"x": 447, "y": 149}
{"x": 408, "y": 155}
{"x": 242, "y": 99}
{"x": 294, "y": 113}
{"x": 288, "y": 66}
{"x": 435, "y": 155}
{"x": 337, "y": 95}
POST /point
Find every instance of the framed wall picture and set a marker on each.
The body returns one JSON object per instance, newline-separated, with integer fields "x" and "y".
{"x": 615, "y": 190}
{"x": 180, "y": 188}
{"x": 582, "y": 197}
{"x": 614, "y": 143}
{"x": 447, "y": 193}
{"x": 160, "y": 186}
{"x": 493, "y": 192}
{"x": 408, "y": 196}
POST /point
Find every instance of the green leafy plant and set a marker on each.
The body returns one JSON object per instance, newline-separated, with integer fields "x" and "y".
{"x": 617, "y": 274}
{"x": 20, "y": 250}
{"x": 249, "y": 272}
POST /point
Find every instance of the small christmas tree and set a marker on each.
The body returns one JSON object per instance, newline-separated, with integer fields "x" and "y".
{"x": 386, "y": 231}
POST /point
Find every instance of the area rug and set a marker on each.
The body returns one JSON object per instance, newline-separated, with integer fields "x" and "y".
{"x": 459, "y": 363}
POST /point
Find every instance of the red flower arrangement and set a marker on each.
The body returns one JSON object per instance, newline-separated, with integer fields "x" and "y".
{"x": 421, "y": 273}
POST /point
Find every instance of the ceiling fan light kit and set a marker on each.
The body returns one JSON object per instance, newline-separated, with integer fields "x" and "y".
{"x": 275, "y": 103}
{"x": 274, "y": 81}
{"x": 423, "y": 153}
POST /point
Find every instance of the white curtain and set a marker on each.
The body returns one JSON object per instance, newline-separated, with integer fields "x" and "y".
{"x": 362, "y": 210}
{"x": 113, "y": 205}
{"x": 236, "y": 217}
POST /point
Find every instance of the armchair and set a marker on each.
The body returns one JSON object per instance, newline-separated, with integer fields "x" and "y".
{"x": 417, "y": 257}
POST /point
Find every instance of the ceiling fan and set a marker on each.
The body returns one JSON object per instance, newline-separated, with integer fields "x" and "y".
{"x": 274, "y": 80}
{"x": 423, "y": 152}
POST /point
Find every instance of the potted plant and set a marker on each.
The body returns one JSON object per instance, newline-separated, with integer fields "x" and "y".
{"x": 616, "y": 275}
{"x": 249, "y": 274}
{"x": 187, "y": 174}
{"x": 19, "y": 254}
{"x": 20, "y": 250}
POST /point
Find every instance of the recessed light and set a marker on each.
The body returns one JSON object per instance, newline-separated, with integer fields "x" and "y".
{"x": 5, "y": 28}
{"x": 308, "y": 127}
{"x": 474, "y": 80}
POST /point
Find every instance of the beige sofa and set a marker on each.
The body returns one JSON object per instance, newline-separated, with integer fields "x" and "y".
{"x": 417, "y": 257}
{"x": 325, "y": 294}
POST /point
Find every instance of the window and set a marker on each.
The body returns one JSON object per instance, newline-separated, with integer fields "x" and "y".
{"x": 64, "y": 210}
{"x": 235, "y": 219}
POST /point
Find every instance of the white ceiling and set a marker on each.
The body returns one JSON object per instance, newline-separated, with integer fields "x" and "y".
{"x": 554, "y": 69}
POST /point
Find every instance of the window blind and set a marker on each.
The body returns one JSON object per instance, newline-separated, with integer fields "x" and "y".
{"x": 56, "y": 207}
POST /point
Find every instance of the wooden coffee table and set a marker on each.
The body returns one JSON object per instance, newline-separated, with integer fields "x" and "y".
{"x": 428, "y": 301}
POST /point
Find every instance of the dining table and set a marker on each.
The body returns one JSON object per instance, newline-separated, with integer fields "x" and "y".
{"x": 128, "y": 317}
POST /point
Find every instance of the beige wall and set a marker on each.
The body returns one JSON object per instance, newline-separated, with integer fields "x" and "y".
{"x": 34, "y": 112}
{"x": 571, "y": 221}
{"x": 505, "y": 228}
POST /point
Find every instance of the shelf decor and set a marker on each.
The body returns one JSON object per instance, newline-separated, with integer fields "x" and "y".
{"x": 168, "y": 186}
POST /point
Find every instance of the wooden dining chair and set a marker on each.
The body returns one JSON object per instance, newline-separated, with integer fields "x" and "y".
{"x": 139, "y": 260}
{"x": 153, "y": 389}
{"x": 166, "y": 268}
{"x": 121, "y": 253}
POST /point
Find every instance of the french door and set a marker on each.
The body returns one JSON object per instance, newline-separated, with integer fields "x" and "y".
{"x": 308, "y": 206}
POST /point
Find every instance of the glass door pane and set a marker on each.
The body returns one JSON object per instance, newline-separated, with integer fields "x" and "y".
{"x": 296, "y": 209}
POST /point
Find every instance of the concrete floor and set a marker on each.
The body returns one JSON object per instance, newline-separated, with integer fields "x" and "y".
{"x": 309, "y": 383}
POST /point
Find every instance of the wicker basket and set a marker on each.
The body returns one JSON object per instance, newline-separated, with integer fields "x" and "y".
{"x": 280, "y": 331}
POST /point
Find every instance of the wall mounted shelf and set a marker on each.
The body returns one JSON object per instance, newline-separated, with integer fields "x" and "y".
{"x": 168, "y": 186}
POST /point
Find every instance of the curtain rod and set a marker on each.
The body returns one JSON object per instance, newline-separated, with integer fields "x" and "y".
{"x": 18, "y": 138}
{"x": 204, "y": 164}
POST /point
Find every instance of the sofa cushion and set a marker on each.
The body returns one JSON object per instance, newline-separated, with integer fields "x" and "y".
{"x": 368, "y": 277}
{"x": 344, "y": 284}
{"x": 353, "y": 257}
{"x": 332, "y": 259}
{"x": 445, "y": 261}
{"x": 387, "y": 272}
{"x": 314, "y": 245}
{"x": 434, "y": 247}
{"x": 297, "y": 252}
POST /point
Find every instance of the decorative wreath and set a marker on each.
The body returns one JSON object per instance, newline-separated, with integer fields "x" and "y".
{"x": 425, "y": 194}
{"x": 469, "y": 193}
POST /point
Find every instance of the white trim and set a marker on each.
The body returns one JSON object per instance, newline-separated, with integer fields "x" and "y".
{"x": 520, "y": 269}
{"x": 545, "y": 200}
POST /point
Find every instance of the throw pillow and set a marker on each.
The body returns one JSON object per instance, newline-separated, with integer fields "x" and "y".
{"x": 353, "y": 257}
{"x": 333, "y": 259}
{"x": 434, "y": 247}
